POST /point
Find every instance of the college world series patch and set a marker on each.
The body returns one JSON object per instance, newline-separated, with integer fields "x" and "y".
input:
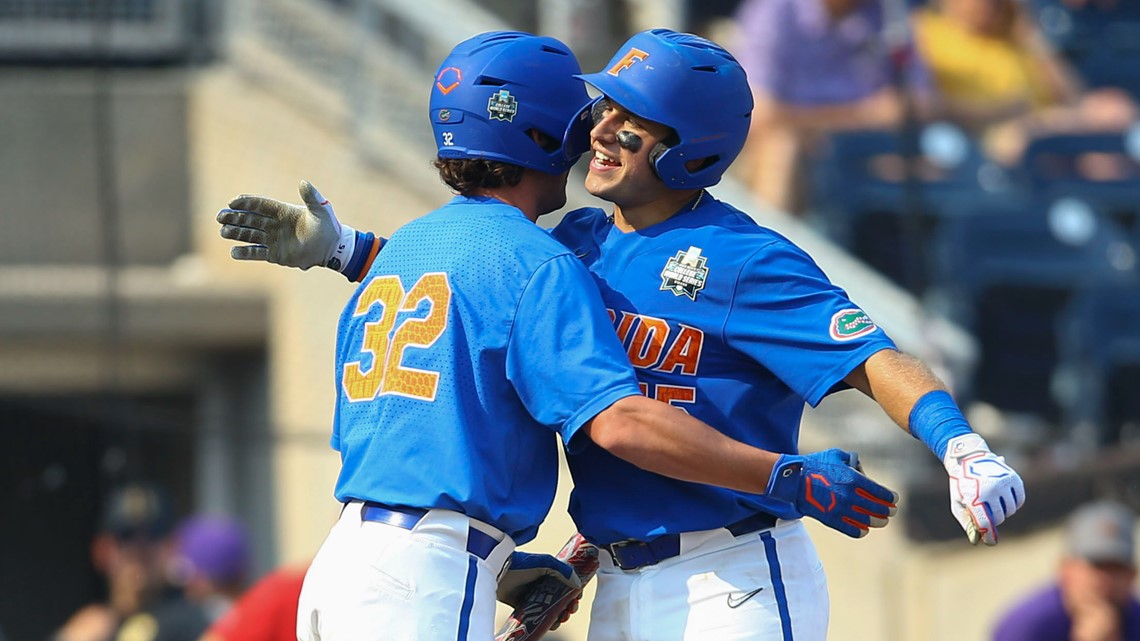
{"x": 849, "y": 324}
{"x": 685, "y": 273}
{"x": 502, "y": 106}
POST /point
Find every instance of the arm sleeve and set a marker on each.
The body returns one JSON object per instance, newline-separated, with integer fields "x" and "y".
{"x": 790, "y": 318}
{"x": 563, "y": 356}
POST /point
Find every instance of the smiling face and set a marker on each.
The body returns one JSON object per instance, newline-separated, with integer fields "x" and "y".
{"x": 620, "y": 170}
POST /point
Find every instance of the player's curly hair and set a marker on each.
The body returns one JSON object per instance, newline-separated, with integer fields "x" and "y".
{"x": 465, "y": 175}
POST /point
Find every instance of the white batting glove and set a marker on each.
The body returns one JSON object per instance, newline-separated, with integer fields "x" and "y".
{"x": 984, "y": 491}
{"x": 282, "y": 233}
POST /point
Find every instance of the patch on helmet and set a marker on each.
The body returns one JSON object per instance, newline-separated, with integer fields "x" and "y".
{"x": 849, "y": 324}
{"x": 685, "y": 274}
{"x": 502, "y": 106}
{"x": 634, "y": 55}
{"x": 448, "y": 79}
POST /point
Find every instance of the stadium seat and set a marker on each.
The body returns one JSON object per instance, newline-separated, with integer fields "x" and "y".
{"x": 1099, "y": 371}
{"x": 1101, "y": 43}
{"x": 1007, "y": 277}
{"x": 863, "y": 199}
{"x": 1102, "y": 169}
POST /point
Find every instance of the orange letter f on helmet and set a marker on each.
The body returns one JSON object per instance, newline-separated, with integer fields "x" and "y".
{"x": 632, "y": 56}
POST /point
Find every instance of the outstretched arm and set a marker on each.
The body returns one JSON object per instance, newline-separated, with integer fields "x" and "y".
{"x": 301, "y": 236}
{"x": 984, "y": 491}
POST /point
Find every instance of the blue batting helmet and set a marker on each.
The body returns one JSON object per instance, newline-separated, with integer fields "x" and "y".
{"x": 496, "y": 87}
{"x": 687, "y": 83}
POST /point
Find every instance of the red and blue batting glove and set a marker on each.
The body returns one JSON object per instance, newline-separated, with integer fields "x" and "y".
{"x": 829, "y": 487}
{"x": 526, "y": 569}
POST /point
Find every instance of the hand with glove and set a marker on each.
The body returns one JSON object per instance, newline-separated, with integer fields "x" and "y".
{"x": 526, "y": 569}
{"x": 829, "y": 487}
{"x": 300, "y": 236}
{"x": 984, "y": 491}
{"x": 545, "y": 590}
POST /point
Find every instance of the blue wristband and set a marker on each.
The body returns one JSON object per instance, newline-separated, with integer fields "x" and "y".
{"x": 935, "y": 419}
{"x": 367, "y": 244}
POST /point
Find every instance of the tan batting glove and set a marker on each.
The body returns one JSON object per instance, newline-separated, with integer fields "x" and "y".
{"x": 282, "y": 233}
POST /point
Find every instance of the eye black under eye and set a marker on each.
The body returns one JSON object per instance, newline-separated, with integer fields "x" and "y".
{"x": 598, "y": 111}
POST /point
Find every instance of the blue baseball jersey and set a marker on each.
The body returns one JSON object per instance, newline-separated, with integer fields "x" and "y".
{"x": 473, "y": 339}
{"x": 727, "y": 320}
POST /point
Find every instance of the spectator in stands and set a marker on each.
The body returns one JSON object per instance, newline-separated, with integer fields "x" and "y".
{"x": 709, "y": 18}
{"x": 127, "y": 550}
{"x": 132, "y": 550}
{"x": 267, "y": 612}
{"x": 1105, "y": 6}
{"x": 818, "y": 66}
{"x": 1093, "y": 598}
{"x": 999, "y": 78}
{"x": 211, "y": 562}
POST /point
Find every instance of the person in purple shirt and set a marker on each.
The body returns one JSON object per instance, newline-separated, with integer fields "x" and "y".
{"x": 1092, "y": 599}
{"x": 816, "y": 66}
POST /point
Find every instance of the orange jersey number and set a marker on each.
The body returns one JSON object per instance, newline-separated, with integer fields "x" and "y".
{"x": 386, "y": 341}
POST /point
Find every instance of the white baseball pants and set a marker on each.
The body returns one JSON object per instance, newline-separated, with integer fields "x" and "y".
{"x": 373, "y": 581}
{"x": 763, "y": 586}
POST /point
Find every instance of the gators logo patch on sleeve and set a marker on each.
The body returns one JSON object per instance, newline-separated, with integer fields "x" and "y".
{"x": 849, "y": 324}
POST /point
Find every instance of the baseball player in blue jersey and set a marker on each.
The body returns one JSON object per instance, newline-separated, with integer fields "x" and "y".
{"x": 473, "y": 337}
{"x": 738, "y": 326}
{"x": 765, "y": 330}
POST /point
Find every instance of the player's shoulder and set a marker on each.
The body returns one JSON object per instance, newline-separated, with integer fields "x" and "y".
{"x": 581, "y": 221}
{"x": 753, "y": 251}
{"x": 585, "y": 216}
{"x": 742, "y": 236}
{"x": 585, "y": 226}
{"x": 486, "y": 224}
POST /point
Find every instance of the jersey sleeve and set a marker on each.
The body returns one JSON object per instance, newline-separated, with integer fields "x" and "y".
{"x": 563, "y": 356}
{"x": 791, "y": 319}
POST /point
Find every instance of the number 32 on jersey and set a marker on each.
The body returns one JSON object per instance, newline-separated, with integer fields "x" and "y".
{"x": 385, "y": 340}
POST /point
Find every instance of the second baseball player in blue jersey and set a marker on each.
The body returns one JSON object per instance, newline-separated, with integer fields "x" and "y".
{"x": 730, "y": 322}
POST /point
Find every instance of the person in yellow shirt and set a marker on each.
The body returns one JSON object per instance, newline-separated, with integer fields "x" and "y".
{"x": 999, "y": 78}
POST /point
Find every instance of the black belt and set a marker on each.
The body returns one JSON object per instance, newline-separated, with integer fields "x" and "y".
{"x": 630, "y": 555}
{"x": 479, "y": 542}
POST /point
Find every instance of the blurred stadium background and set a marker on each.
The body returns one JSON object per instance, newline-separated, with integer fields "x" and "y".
{"x": 131, "y": 347}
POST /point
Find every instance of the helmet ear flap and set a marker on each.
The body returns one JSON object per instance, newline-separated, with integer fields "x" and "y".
{"x": 655, "y": 153}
